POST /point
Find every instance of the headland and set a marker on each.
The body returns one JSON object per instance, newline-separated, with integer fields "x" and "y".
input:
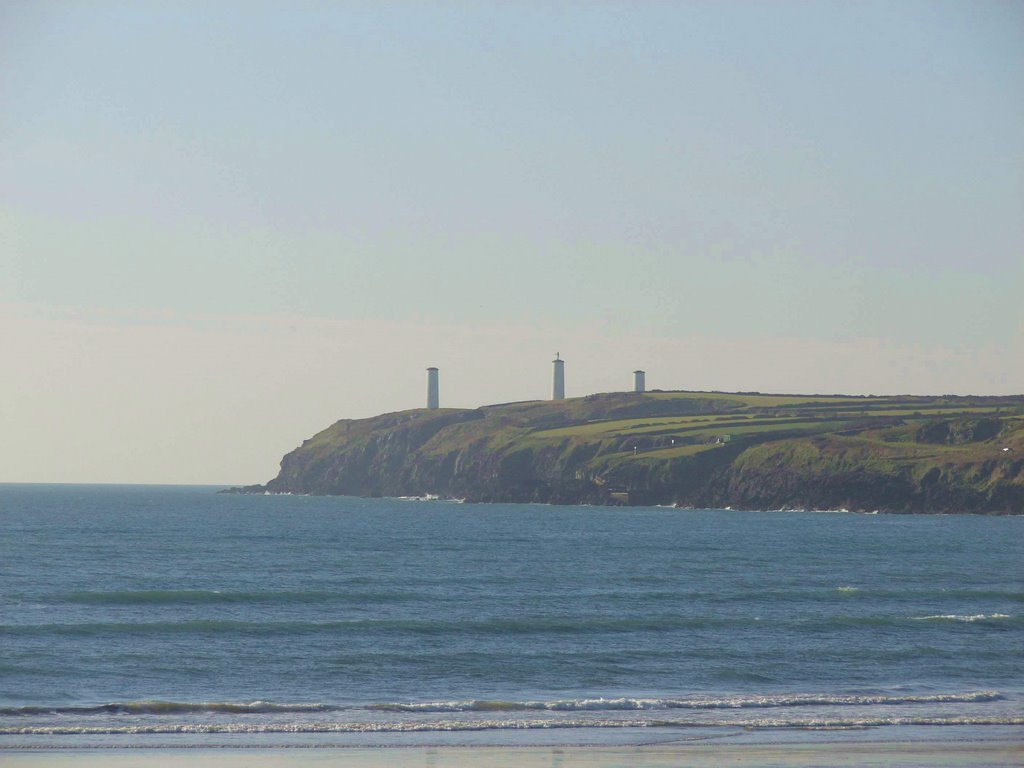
{"x": 890, "y": 454}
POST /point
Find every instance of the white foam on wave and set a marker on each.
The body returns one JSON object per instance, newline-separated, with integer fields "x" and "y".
{"x": 598, "y": 704}
{"x": 963, "y": 617}
{"x": 644, "y": 704}
{"x": 503, "y": 724}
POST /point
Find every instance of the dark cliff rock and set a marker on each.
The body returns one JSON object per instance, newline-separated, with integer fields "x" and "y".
{"x": 368, "y": 457}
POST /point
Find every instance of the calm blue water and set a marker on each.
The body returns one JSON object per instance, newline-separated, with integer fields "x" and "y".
{"x": 133, "y": 611}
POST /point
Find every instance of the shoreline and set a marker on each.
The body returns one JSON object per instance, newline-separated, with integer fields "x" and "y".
{"x": 261, "y": 490}
{"x": 555, "y": 739}
{"x": 996, "y": 751}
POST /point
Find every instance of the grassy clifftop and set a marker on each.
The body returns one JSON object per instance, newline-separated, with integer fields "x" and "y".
{"x": 895, "y": 454}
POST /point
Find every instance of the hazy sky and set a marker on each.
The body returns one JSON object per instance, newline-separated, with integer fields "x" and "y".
{"x": 225, "y": 225}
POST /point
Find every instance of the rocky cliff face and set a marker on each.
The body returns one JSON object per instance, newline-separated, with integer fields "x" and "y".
{"x": 664, "y": 449}
{"x": 370, "y": 457}
{"x": 835, "y": 473}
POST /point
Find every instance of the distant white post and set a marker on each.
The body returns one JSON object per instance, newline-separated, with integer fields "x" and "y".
{"x": 558, "y": 384}
{"x": 638, "y": 381}
{"x": 432, "y": 389}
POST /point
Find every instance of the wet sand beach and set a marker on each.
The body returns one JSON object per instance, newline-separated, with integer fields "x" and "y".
{"x": 987, "y": 752}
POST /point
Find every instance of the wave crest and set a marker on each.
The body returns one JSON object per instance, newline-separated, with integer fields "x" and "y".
{"x": 634, "y": 704}
{"x": 599, "y": 704}
{"x": 490, "y": 725}
{"x": 168, "y": 708}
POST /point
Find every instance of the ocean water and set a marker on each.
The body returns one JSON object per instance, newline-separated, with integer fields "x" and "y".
{"x": 140, "y": 615}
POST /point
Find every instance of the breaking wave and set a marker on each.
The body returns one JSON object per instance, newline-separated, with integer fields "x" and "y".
{"x": 506, "y": 724}
{"x": 484, "y": 705}
{"x": 736, "y": 702}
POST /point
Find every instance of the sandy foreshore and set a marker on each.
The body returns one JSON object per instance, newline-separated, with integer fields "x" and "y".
{"x": 983, "y": 752}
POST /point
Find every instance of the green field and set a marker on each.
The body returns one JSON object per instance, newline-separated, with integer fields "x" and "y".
{"x": 764, "y": 415}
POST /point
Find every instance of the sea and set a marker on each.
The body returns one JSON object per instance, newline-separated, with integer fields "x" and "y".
{"x": 179, "y": 616}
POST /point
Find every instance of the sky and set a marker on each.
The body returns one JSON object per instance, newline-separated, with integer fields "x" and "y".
{"x": 224, "y": 226}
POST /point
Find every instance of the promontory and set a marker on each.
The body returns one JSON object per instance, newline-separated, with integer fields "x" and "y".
{"x": 900, "y": 454}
